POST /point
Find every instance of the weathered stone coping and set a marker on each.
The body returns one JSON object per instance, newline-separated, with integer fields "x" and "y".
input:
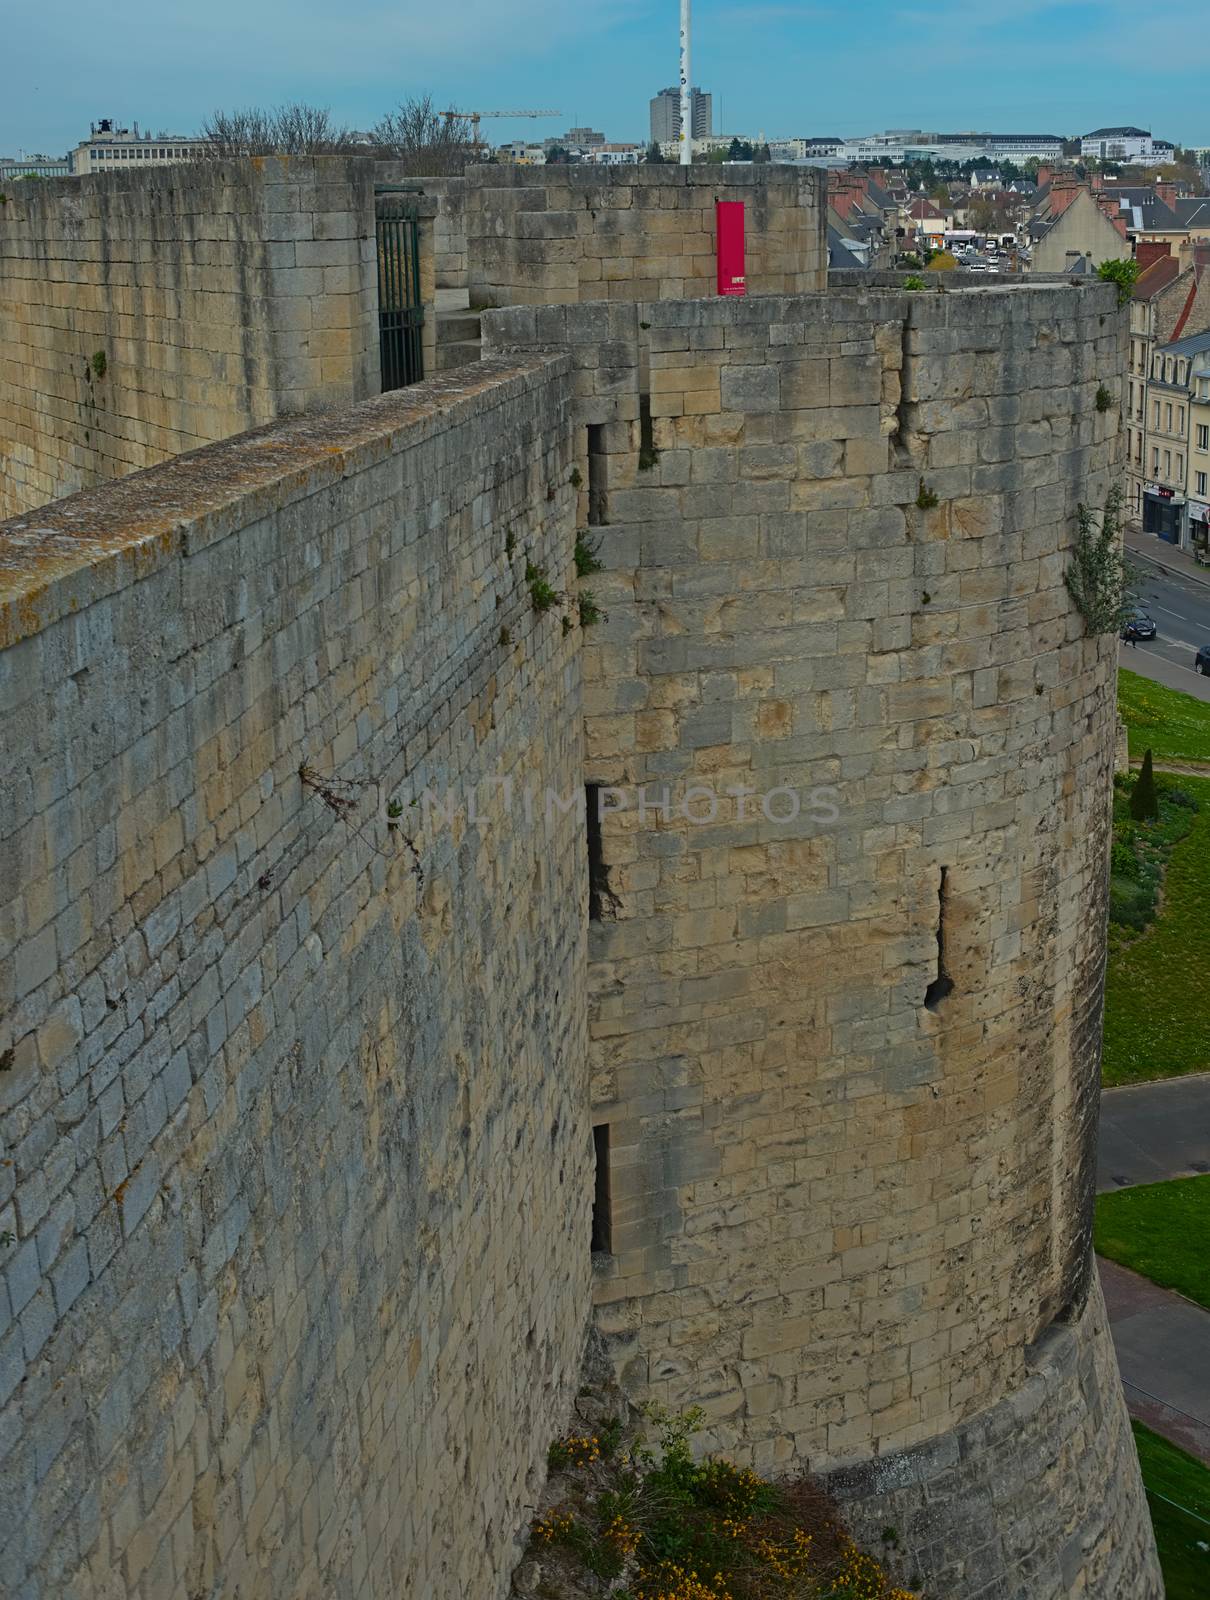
{"x": 63, "y": 556}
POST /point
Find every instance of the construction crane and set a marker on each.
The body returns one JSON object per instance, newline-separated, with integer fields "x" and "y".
{"x": 473, "y": 118}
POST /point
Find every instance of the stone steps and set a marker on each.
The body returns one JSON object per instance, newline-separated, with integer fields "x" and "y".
{"x": 459, "y": 339}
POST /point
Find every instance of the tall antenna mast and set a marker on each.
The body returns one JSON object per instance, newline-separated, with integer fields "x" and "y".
{"x": 686, "y": 94}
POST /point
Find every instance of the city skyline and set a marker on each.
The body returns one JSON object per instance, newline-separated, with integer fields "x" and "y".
{"x": 780, "y": 69}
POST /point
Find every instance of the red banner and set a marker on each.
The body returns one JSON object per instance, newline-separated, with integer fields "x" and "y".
{"x": 729, "y": 246}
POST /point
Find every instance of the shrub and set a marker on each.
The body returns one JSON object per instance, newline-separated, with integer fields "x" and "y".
{"x": 1104, "y": 398}
{"x": 1123, "y": 863}
{"x": 673, "y": 1528}
{"x": 1124, "y": 273}
{"x": 1097, "y": 578}
{"x": 914, "y": 281}
{"x": 587, "y": 557}
{"x": 541, "y": 592}
{"x": 925, "y": 498}
{"x": 1144, "y": 801}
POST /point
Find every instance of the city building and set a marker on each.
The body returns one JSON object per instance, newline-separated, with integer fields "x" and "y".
{"x": 1168, "y": 374}
{"x": 108, "y": 148}
{"x": 35, "y": 166}
{"x": 615, "y": 155}
{"x": 898, "y": 145}
{"x": 579, "y": 139}
{"x": 1197, "y": 484}
{"x": 1166, "y": 451}
{"x": 1125, "y": 144}
{"x": 666, "y": 116}
{"x": 1074, "y": 231}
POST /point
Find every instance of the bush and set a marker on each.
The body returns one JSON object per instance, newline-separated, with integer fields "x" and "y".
{"x": 1123, "y": 863}
{"x": 1144, "y": 801}
{"x": 670, "y": 1527}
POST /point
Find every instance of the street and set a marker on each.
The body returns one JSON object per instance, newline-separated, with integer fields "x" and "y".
{"x": 1180, "y": 609}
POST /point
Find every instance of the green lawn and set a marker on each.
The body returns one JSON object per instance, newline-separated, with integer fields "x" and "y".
{"x": 1174, "y": 725}
{"x": 1157, "y": 988}
{"x": 1160, "y": 1230}
{"x": 1178, "y": 1493}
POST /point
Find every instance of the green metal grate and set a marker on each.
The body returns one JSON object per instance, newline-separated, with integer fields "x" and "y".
{"x": 400, "y": 312}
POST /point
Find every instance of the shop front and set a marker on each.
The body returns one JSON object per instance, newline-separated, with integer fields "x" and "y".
{"x": 1163, "y": 513}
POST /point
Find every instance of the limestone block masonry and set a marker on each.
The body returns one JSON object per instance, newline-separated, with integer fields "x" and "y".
{"x": 845, "y": 1016}
{"x": 563, "y": 234}
{"x": 150, "y": 312}
{"x": 294, "y": 1083}
{"x": 315, "y": 986}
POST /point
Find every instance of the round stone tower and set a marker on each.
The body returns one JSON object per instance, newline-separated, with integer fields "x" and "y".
{"x": 853, "y": 748}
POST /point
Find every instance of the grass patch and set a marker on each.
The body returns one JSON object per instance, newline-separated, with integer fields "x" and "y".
{"x": 1157, "y": 988}
{"x": 1173, "y": 724}
{"x": 1178, "y": 1493}
{"x": 659, "y": 1525}
{"x": 1160, "y": 1230}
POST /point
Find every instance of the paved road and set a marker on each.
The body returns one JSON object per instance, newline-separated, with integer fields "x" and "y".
{"x": 1180, "y": 606}
{"x": 1153, "y": 1131}
{"x": 1163, "y": 1349}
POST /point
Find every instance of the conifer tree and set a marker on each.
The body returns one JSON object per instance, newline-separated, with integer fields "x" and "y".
{"x": 1144, "y": 801}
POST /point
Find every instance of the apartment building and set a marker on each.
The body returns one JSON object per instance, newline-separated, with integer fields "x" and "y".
{"x": 1179, "y": 372}
{"x": 666, "y": 116}
{"x": 1170, "y": 308}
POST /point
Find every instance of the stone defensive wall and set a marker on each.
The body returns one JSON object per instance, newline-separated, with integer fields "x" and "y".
{"x": 345, "y": 1062}
{"x": 562, "y": 234}
{"x": 150, "y": 312}
{"x": 856, "y": 750}
{"x": 295, "y": 1271}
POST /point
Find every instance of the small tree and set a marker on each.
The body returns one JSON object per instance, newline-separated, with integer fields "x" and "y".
{"x": 654, "y": 154}
{"x": 942, "y": 261}
{"x": 1098, "y": 579}
{"x": 427, "y": 142}
{"x": 1124, "y": 273}
{"x": 1144, "y": 800}
{"x": 294, "y": 129}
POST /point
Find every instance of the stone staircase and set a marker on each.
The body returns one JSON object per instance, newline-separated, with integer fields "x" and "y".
{"x": 459, "y": 338}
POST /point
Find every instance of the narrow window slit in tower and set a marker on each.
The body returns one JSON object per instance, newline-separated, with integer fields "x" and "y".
{"x": 597, "y": 508}
{"x": 942, "y": 985}
{"x": 601, "y": 899}
{"x": 602, "y": 1206}
{"x": 648, "y": 454}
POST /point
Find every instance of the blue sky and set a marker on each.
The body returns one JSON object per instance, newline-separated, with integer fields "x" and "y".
{"x": 777, "y": 66}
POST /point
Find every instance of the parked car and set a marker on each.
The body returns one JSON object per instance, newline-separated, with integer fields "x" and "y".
{"x": 1201, "y": 661}
{"x": 1139, "y": 626}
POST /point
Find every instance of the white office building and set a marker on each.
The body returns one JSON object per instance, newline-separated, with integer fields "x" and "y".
{"x": 109, "y": 148}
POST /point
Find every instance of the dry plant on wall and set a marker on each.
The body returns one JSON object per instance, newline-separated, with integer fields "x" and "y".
{"x": 1098, "y": 579}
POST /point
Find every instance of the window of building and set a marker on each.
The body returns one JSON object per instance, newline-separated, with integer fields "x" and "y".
{"x": 1157, "y": 414}
{"x": 1155, "y": 461}
{"x": 1180, "y": 467}
{"x": 1180, "y": 419}
{"x": 1167, "y": 463}
{"x": 1203, "y": 436}
{"x": 1168, "y": 417}
{"x": 1200, "y": 481}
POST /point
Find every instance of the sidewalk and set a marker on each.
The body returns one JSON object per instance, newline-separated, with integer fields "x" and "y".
{"x": 1154, "y": 1131}
{"x": 1167, "y": 557}
{"x": 1162, "y": 1342}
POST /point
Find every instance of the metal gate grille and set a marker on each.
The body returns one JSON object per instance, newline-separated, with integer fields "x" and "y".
{"x": 400, "y": 312}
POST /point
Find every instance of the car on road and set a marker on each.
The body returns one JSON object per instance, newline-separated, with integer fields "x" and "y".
{"x": 1139, "y": 626}
{"x": 1201, "y": 661}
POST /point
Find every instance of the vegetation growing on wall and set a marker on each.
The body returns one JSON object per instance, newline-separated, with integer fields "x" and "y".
{"x": 650, "y": 1523}
{"x": 1098, "y": 579}
{"x": 1124, "y": 273}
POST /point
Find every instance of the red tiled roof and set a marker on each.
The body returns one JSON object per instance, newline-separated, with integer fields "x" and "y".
{"x": 1156, "y": 277}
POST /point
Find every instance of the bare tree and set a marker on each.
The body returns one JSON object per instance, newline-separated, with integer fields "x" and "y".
{"x": 429, "y": 143}
{"x": 294, "y": 129}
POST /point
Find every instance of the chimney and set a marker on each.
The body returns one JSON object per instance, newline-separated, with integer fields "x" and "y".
{"x": 1148, "y": 251}
{"x": 1166, "y": 192}
{"x": 1045, "y": 174}
{"x": 1098, "y": 181}
{"x": 1063, "y": 191}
